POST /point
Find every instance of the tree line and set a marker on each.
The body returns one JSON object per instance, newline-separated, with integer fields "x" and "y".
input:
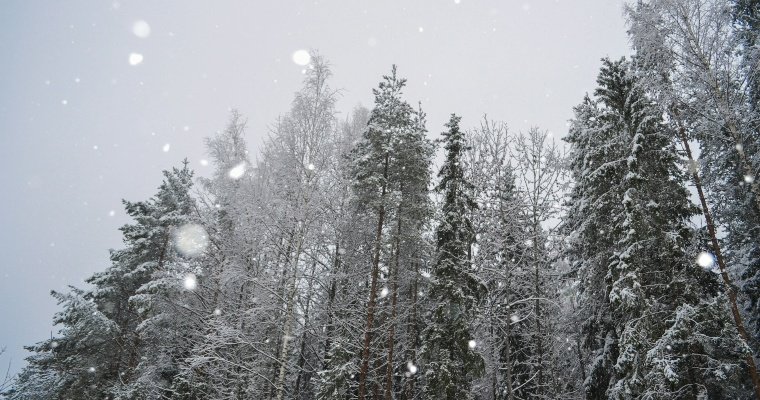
{"x": 622, "y": 264}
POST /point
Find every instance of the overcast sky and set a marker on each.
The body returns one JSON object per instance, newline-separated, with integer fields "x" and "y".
{"x": 81, "y": 128}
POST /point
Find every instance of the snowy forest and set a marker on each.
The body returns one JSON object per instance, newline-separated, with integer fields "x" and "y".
{"x": 369, "y": 255}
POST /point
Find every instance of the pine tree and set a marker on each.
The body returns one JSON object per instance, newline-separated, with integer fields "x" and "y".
{"x": 163, "y": 301}
{"x": 393, "y": 141}
{"x": 450, "y": 360}
{"x": 412, "y": 214}
{"x": 78, "y": 362}
{"x": 97, "y": 353}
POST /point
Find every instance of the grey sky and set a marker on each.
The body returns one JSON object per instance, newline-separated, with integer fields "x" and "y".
{"x": 80, "y": 128}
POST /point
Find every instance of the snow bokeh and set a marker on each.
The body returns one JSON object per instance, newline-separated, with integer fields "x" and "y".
{"x": 237, "y": 171}
{"x": 301, "y": 57}
{"x": 705, "y": 260}
{"x": 135, "y": 59}
{"x": 190, "y": 282}
{"x": 141, "y": 29}
{"x": 190, "y": 240}
{"x": 411, "y": 369}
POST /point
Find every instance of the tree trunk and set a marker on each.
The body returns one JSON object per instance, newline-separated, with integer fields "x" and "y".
{"x": 272, "y": 388}
{"x": 290, "y": 317}
{"x": 413, "y": 332}
{"x": 373, "y": 285}
{"x": 394, "y": 299}
{"x": 537, "y": 294}
{"x": 508, "y": 343}
{"x": 738, "y": 321}
{"x": 330, "y": 312}
{"x": 301, "y": 356}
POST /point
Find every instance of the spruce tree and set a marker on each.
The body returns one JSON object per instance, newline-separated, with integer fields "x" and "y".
{"x": 741, "y": 218}
{"x": 450, "y": 360}
{"x": 99, "y": 348}
{"x": 651, "y": 286}
{"x": 592, "y": 226}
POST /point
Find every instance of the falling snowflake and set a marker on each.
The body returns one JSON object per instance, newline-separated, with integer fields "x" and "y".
{"x": 111, "y": 213}
{"x": 301, "y": 57}
{"x": 135, "y": 58}
{"x": 217, "y": 312}
{"x": 190, "y": 282}
{"x": 166, "y": 147}
{"x": 190, "y": 240}
{"x": 472, "y": 344}
{"x": 237, "y": 171}
{"x": 384, "y": 292}
{"x": 514, "y": 318}
{"x": 91, "y": 370}
{"x": 204, "y": 162}
{"x": 749, "y": 178}
{"x": 705, "y": 260}
{"x": 411, "y": 368}
{"x": 141, "y": 29}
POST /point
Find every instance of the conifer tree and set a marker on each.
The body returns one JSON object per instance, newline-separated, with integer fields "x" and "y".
{"x": 450, "y": 360}
{"x": 393, "y": 141}
{"x": 692, "y": 61}
{"x": 742, "y": 220}
{"x": 592, "y": 226}
{"x": 97, "y": 353}
{"x": 651, "y": 285}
